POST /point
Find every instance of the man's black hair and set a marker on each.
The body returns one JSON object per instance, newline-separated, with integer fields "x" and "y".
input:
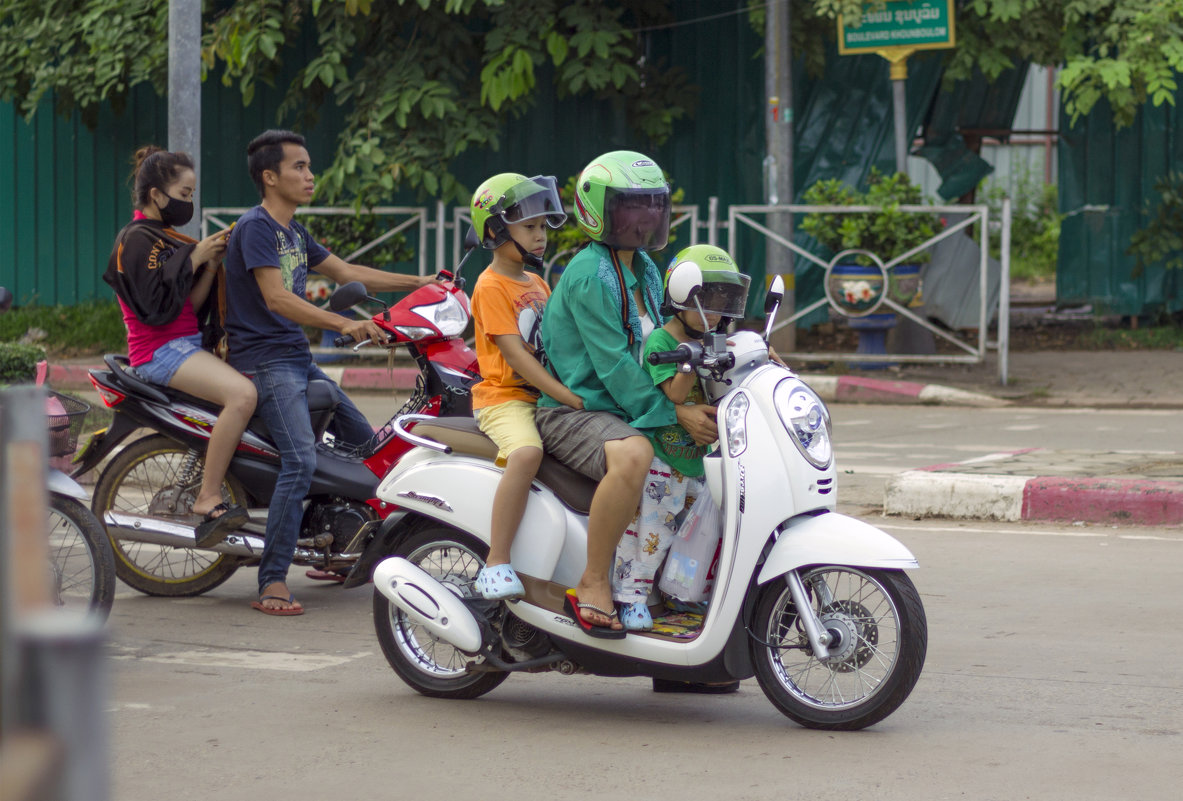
{"x": 265, "y": 152}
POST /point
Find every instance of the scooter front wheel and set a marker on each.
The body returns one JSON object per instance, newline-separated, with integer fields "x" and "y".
{"x": 149, "y": 478}
{"x": 429, "y": 665}
{"x": 879, "y": 637}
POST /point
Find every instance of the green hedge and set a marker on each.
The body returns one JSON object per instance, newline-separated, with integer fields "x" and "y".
{"x": 18, "y": 363}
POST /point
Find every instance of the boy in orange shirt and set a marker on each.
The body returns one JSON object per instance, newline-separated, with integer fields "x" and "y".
{"x": 510, "y": 213}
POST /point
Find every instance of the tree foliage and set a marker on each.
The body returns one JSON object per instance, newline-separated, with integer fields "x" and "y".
{"x": 1124, "y": 51}
{"x": 419, "y": 82}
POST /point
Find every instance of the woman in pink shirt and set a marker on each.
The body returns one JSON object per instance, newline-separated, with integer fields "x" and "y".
{"x": 161, "y": 278}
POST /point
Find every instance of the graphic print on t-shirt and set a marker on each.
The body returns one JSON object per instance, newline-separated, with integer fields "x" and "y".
{"x": 293, "y": 262}
{"x": 530, "y": 325}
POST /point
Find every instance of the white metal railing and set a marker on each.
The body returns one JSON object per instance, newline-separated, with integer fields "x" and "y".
{"x": 740, "y": 215}
{"x": 737, "y": 218}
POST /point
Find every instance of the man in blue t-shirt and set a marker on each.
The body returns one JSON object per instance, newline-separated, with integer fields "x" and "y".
{"x": 267, "y": 263}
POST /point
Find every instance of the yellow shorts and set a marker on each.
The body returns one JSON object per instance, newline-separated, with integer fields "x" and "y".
{"x": 511, "y": 426}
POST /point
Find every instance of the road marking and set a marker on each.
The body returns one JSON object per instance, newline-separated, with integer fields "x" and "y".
{"x": 248, "y": 660}
{"x": 1032, "y": 532}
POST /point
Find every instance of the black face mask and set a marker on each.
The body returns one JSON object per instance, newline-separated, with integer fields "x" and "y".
{"x": 177, "y": 212}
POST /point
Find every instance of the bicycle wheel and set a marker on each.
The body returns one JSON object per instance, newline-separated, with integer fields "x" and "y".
{"x": 82, "y": 567}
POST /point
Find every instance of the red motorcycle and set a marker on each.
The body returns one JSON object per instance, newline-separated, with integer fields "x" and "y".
{"x": 145, "y": 492}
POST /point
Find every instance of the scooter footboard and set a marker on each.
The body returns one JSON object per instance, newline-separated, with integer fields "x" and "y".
{"x": 833, "y": 539}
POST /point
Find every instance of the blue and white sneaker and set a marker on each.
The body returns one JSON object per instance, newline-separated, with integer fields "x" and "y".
{"x": 499, "y": 583}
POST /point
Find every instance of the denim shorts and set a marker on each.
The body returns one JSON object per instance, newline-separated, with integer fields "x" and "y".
{"x": 168, "y": 358}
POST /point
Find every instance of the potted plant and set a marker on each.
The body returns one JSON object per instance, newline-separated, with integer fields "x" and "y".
{"x": 887, "y": 232}
{"x": 857, "y": 288}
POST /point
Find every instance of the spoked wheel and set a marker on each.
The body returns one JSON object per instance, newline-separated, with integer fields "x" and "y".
{"x": 156, "y": 477}
{"x": 82, "y": 568}
{"x": 429, "y": 665}
{"x": 879, "y": 639}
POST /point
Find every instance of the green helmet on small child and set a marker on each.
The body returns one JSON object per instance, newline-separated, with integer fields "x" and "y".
{"x": 724, "y": 289}
{"x": 510, "y": 198}
{"x": 623, "y": 201}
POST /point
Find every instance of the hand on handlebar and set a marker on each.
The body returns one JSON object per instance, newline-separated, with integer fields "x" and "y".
{"x": 361, "y": 330}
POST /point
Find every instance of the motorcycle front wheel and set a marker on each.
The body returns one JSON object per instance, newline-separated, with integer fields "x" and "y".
{"x": 148, "y": 478}
{"x": 879, "y": 640}
{"x": 82, "y": 568}
{"x": 429, "y": 665}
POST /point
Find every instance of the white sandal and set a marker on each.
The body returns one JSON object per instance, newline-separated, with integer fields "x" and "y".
{"x": 499, "y": 583}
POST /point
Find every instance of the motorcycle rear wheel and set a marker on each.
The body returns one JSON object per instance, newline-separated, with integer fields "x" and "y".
{"x": 134, "y": 483}
{"x": 431, "y": 666}
{"x": 881, "y": 637}
{"x": 81, "y": 563}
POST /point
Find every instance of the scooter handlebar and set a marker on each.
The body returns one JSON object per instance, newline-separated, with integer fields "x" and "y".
{"x": 667, "y": 357}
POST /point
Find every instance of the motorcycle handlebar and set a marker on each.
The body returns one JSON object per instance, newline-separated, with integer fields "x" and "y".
{"x": 667, "y": 357}
{"x": 341, "y": 342}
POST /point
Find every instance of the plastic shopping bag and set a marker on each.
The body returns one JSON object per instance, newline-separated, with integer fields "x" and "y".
{"x": 693, "y": 560}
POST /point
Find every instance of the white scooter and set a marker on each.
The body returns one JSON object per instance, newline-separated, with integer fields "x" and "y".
{"x": 815, "y": 604}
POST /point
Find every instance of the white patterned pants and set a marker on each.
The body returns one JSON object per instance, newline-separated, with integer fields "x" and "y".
{"x": 648, "y": 537}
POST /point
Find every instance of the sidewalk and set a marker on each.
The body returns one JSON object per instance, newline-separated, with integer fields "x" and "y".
{"x": 1033, "y": 485}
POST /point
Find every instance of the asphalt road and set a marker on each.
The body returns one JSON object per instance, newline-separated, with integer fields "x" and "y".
{"x": 1052, "y": 672}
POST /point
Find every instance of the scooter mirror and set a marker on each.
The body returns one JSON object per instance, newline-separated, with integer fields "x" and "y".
{"x": 347, "y": 296}
{"x": 471, "y": 240}
{"x": 775, "y": 293}
{"x": 685, "y": 281}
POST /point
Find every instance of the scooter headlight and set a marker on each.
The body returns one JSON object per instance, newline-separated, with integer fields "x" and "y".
{"x": 447, "y": 315}
{"x": 807, "y": 420}
{"x": 735, "y": 419}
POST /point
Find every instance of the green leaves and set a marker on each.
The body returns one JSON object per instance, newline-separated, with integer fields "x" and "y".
{"x": 888, "y": 233}
{"x": 1161, "y": 240}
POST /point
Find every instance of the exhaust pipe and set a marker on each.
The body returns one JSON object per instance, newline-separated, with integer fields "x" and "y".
{"x": 428, "y": 603}
{"x": 155, "y": 531}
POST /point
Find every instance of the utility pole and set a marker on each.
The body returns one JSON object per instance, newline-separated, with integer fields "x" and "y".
{"x": 778, "y": 159}
{"x": 184, "y": 90}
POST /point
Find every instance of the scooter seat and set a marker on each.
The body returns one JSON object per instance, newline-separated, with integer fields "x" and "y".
{"x": 322, "y": 396}
{"x": 463, "y": 435}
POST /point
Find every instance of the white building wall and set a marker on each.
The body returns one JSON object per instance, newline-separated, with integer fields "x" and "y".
{"x": 1031, "y": 155}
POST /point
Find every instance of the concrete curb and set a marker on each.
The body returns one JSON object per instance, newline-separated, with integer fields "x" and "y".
{"x": 856, "y": 389}
{"x": 1111, "y": 501}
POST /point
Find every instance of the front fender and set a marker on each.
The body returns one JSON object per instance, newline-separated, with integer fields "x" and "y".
{"x": 58, "y": 482}
{"x": 831, "y": 538}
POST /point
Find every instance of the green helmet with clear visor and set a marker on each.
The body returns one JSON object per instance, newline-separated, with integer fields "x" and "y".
{"x": 623, "y": 201}
{"x": 724, "y": 289}
{"x": 511, "y": 198}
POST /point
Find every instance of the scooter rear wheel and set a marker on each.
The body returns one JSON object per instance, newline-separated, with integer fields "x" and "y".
{"x": 880, "y": 637}
{"x": 430, "y": 666}
{"x": 135, "y": 482}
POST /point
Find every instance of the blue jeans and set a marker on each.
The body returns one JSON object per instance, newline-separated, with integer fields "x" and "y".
{"x": 282, "y": 385}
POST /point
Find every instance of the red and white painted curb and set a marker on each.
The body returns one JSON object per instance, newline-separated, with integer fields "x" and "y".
{"x": 856, "y": 389}
{"x": 939, "y": 492}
